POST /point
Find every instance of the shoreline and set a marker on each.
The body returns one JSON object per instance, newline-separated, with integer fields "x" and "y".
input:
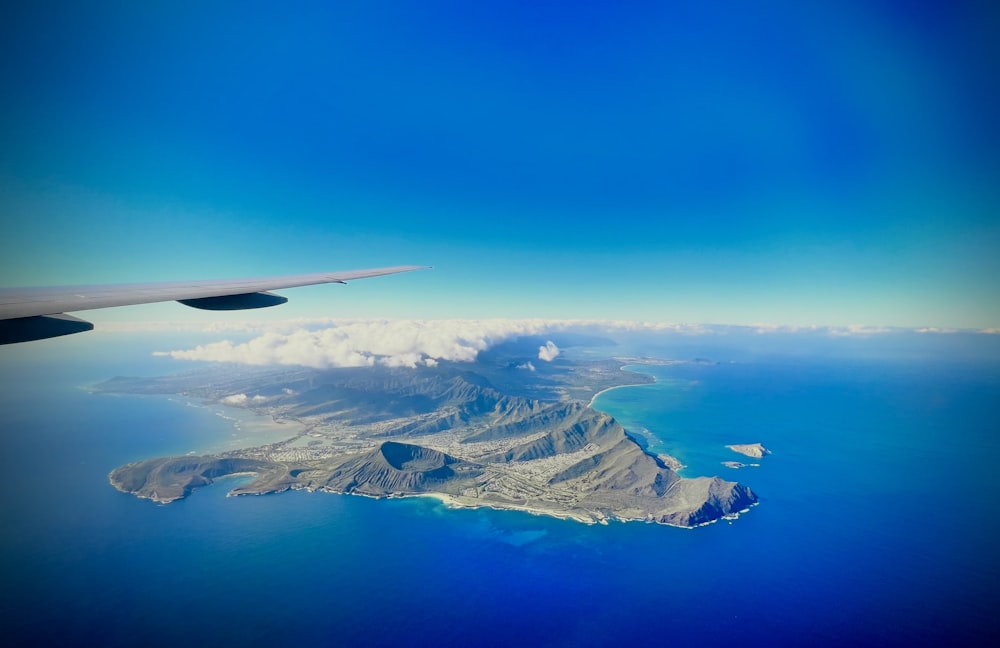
{"x": 258, "y": 428}
{"x": 622, "y": 368}
{"x": 671, "y": 461}
{"x": 450, "y": 501}
{"x": 446, "y": 500}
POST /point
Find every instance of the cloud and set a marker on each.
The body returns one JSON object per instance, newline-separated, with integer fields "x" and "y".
{"x": 549, "y": 352}
{"x": 527, "y": 365}
{"x": 529, "y": 327}
{"x": 411, "y": 343}
{"x": 856, "y": 330}
{"x": 833, "y": 331}
{"x": 399, "y": 343}
{"x": 242, "y": 399}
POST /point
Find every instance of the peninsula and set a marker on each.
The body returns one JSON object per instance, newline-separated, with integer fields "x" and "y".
{"x": 470, "y": 438}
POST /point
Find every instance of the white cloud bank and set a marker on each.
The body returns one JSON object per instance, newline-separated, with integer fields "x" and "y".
{"x": 549, "y": 352}
{"x": 409, "y": 343}
{"x": 399, "y": 343}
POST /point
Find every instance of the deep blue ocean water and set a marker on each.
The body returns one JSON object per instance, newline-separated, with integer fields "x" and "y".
{"x": 878, "y": 525}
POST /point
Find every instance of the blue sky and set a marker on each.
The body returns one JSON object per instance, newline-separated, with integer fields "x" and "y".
{"x": 699, "y": 162}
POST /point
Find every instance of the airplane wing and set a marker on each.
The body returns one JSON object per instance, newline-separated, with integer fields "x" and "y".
{"x": 38, "y": 313}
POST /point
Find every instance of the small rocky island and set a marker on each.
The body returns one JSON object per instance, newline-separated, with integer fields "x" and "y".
{"x": 737, "y": 464}
{"x": 468, "y": 438}
{"x": 754, "y": 450}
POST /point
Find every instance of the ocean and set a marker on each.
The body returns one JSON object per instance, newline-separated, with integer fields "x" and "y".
{"x": 876, "y": 524}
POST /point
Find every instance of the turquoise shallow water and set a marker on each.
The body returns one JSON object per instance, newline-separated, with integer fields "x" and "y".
{"x": 876, "y": 525}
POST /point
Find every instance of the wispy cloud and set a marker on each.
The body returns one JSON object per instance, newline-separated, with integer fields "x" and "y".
{"x": 834, "y": 331}
{"x": 533, "y": 326}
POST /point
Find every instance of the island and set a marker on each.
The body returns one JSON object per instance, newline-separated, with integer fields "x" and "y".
{"x": 486, "y": 435}
{"x": 754, "y": 450}
{"x": 736, "y": 464}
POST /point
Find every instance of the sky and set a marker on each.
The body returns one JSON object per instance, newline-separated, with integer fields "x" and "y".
{"x": 725, "y": 162}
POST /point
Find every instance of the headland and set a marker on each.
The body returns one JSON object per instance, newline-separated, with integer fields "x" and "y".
{"x": 445, "y": 432}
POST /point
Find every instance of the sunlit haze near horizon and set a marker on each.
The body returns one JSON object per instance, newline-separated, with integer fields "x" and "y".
{"x": 731, "y": 163}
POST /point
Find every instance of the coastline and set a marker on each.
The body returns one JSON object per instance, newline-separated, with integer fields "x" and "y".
{"x": 671, "y": 461}
{"x": 251, "y": 428}
{"x": 623, "y": 368}
{"x": 247, "y": 427}
{"x": 451, "y": 501}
